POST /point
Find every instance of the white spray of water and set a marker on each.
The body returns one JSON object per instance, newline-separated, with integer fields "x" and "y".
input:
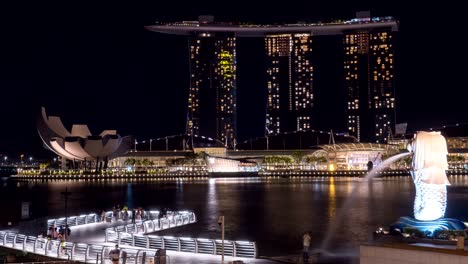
{"x": 348, "y": 202}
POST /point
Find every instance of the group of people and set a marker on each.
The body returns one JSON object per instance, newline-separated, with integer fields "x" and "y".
{"x": 61, "y": 234}
{"x": 58, "y": 233}
{"x": 137, "y": 214}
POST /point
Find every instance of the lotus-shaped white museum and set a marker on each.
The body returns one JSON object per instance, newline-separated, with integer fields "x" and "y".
{"x": 80, "y": 144}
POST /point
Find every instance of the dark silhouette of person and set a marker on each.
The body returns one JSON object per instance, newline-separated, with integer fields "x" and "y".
{"x": 370, "y": 165}
{"x": 133, "y": 215}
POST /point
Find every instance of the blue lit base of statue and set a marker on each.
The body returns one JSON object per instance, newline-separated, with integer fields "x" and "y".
{"x": 427, "y": 228}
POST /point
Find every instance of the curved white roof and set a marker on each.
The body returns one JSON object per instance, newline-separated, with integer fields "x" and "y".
{"x": 80, "y": 144}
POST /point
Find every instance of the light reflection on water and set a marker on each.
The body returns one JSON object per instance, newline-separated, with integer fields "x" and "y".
{"x": 271, "y": 212}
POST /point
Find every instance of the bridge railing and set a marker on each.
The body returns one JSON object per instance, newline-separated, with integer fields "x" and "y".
{"x": 89, "y": 253}
{"x": 244, "y": 249}
{"x": 174, "y": 219}
{"x": 78, "y": 220}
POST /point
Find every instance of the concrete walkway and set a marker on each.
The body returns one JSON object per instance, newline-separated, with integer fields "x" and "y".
{"x": 92, "y": 233}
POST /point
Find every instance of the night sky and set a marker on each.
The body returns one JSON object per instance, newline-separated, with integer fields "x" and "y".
{"x": 95, "y": 63}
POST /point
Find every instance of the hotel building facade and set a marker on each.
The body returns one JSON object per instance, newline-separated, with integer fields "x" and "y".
{"x": 289, "y": 82}
{"x": 369, "y": 76}
{"x": 212, "y": 91}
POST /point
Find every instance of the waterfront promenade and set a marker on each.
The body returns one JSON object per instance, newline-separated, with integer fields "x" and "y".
{"x": 205, "y": 176}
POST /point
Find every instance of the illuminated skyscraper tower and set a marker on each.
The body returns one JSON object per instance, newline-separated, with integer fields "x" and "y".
{"x": 289, "y": 82}
{"x": 212, "y": 96}
{"x": 212, "y": 92}
{"x": 369, "y": 77}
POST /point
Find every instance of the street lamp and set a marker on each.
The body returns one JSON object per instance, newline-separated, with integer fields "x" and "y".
{"x": 30, "y": 159}
{"x": 221, "y": 223}
{"x": 5, "y": 159}
{"x": 151, "y": 143}
{"x": 65, "y": 194}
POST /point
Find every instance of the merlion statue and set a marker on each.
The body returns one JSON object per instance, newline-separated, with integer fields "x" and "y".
{"x": 429, "y": 177}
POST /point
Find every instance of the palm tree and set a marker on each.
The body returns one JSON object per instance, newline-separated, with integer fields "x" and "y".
{"x": 297, "y": 156}
{"x": 146, "y": 163}
{"x": 129, "y": 162}
{"x": 137, "y": 162}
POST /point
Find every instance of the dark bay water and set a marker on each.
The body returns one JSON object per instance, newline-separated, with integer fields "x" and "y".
{"x": 273, "y": 213}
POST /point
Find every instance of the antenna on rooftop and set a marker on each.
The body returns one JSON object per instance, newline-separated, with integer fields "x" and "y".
{"x": 331, "y": 140}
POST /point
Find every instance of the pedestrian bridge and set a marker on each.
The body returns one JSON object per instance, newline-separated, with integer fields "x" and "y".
{"x": 151, "y": 223}
{"x": 150, "y": 226}
{"x": 136, "y": 246}
{"x": 109, "y": 217}
{"x": 89, "y": 253}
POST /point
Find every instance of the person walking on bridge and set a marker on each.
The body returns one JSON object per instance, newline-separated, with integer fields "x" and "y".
{"x": 306, "y": 238}
{"x": 134, "y": 212}
{"x": 114, "y": 255}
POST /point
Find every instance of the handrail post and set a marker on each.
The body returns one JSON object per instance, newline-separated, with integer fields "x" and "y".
{"x": 118, "y": 238}
{"x": 86, "y": 253}
{"x": 46, "y": 247}
{"x": 137, "y": 255}
{"x": 196, "y": 245}
{"x": 178, "y": 244}
{"x": 255, "y": 249}
{"x": 102, "y": 254}
{"x": 147, "y": 242}
{"x": 133, "y": 239}
{"x": 24, "y": 242}
{"x": 72, "y": 253}
{"x": 34, "y": 245}
{"x": 143, "y": 258}
{"x": 14, "y": 240}
{"x": 221, "y": 221}
{"x": 234, "y": 249}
